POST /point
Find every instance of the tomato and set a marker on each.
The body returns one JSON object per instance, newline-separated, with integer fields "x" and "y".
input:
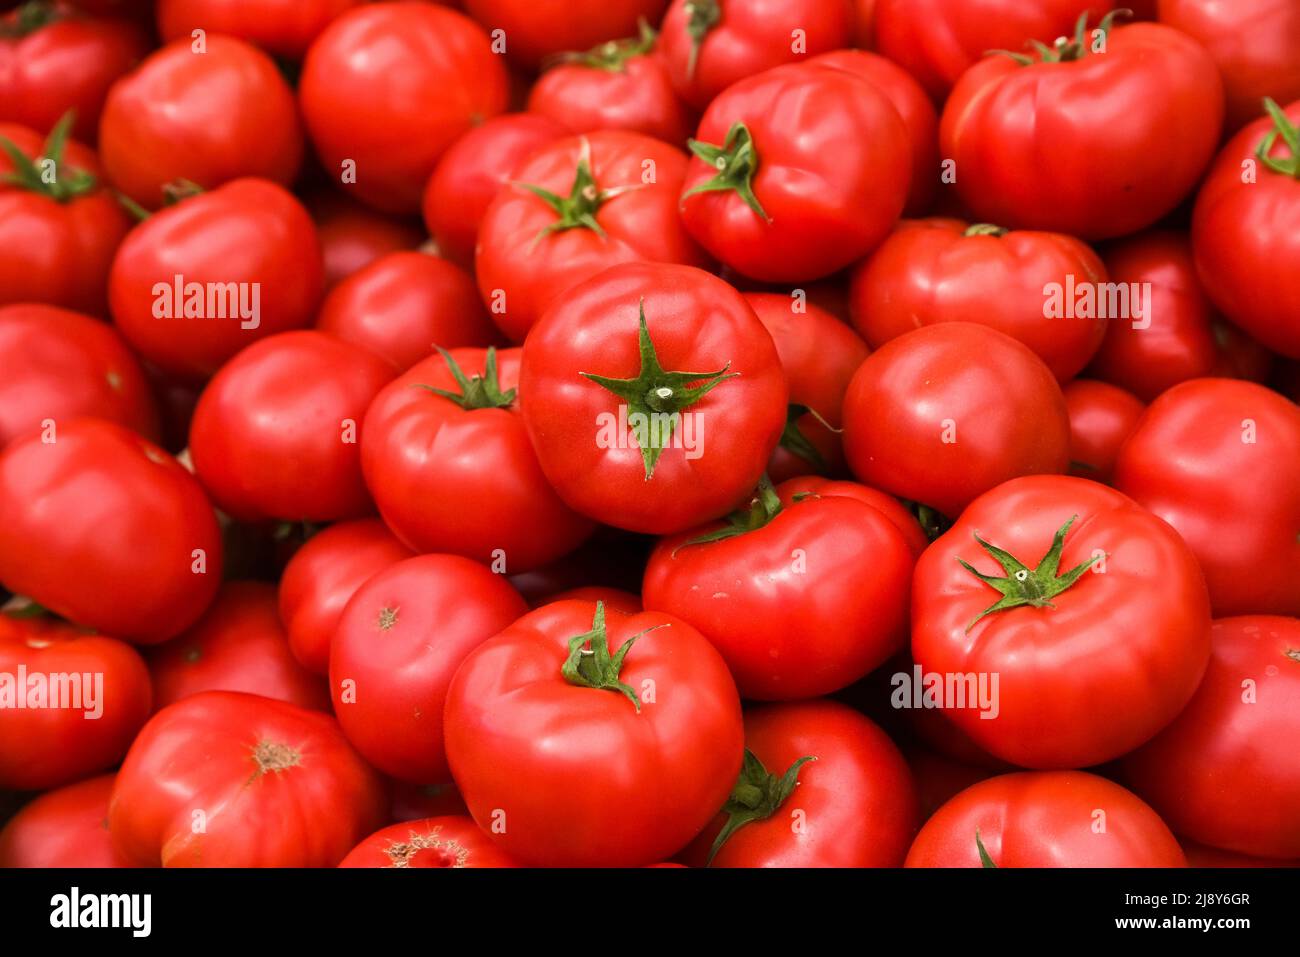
{"x": 1102, "y": 417}
{"x": 404, "y": 304}
{"x": 433, "y": 842}
{"x": 53, "y": 59}
{"x": 801, "y": 597}
{"x": 578, "y": 206}
{"x": 106, "y": 529}
{"x": 275, "y": 433}
{"x": 612, "y": 758}
{"x": 944, "y": 413}
{"x": 198, "y": 281}
{"x": 1103, "y": 611}
{"x": 1245, "y": 253}
{"x": 532, "y": 30}
{"x": 59, "y": 237}
{"x": 889, "y": 506}
{"x": 352, "y": 236}
{"x": 321, "y": 577}
{"x": 70, "y": 702}
{"x": 1045, "y": 819}
{"x": 238, "y": 645}
{"x": 1219, "y": 460}
{"x": 227, "y": 779}
{"x": 710, "y": 44}
{"x": 281, "y": 27}
{"x": 387, "y": 87}
{"x": 207, "y": 115}
{"x": 399, "y": 640}
{"x": 1063, "y": 141}
{"x": 778, "y": 198}
{"x": 472, "y": 170}
{"x": 72, "y": 365}
{"x": 66, "y": 827}
{"x": 943, "y": 270}
{"x": 624, "y": 441}
{"x": 447, "y": 458}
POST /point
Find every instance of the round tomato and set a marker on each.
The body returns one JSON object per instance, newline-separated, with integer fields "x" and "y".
{"x": 433, "y": 842}
{"x": 1102, "y": 417}
{"x": 66, "y": 827}
{"x": 352, "y": 236}
{"x": 281, "y": 27}
{"x": 530, "y": 31}
{"x": 889, "y": 506}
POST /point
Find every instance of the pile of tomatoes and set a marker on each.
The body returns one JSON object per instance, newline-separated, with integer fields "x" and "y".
{"x": 723, "y": 433}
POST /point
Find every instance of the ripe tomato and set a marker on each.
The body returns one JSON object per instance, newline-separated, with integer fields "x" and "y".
{"x": 276, "y": 431}
{"x": 70, "y": 702}
{"x": 226, "y": 779}
{"x": 387, "y": 87}
{"x": 777, "y": 198}
{"x": 447, "y": 458}
{"x": 399, "y": 640}
{"x": 892, "y": 509}
{"x": 72, "y": 365}
{"x": 207, "y": 115}
{"x": 1219, "y": 460}
{"x": 66, "y": 827}
{"x": 1102, "y": 612}
{"x": 128, "y": 542}
{"x": 352, "y": 235}
{"x": 1102, "y": 417}
{"x": 1045, "y": 819}
{"x": 530, "y": 31}
{"x": 930, "y": 417}
{"x": 624, "y": 441}
{"x": 1062, "y": 141}
{"x": 581, "y": 736}
{"x": 280, "y": 27}
{"x": 321, "y": 577}
{"x": 433, "y": 842}
{"x": 578, "y": 206}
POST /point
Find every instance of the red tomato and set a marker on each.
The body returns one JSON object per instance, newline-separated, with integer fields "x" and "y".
{"x": 281, "y": 27}
{"x": 930, "y": 417}
{"x": 1219, "y": 460}
{"x": 67, "y": 827}
{"x": 892, "y": 509}
{"x": 276, "y": 431}
{"x": 447, "y": 458}
{"x": 72, "y": 365}
{"x": 226, "y": 779}
{"x": 610, "y": 425}
{"x": 323, "y": 575}
{"x": 238, "y": 645}
{"x": 433, "y": 842}
{"x": 128, "y": 542}
{"x": 70, "y": 702}
{"x": 387, "y": 87}
{"x": 578, "y": 206}
{"x": 1063, "y": 141}
{"x": 529, "y": 31}
{"x": 404, "y": 304}
{"x": 1114, "y": 623}
{"x": 581, "y": 736}
{"x": 777, "y": 197}
{"x": 399, "y": 640}
{"x": 942, "y": 270}
{"x": 208, "y": 115}
{"x": 198, "y": 281}
{"x": 1045, "y": 819}
{"x": 352, "y": 235}
{"x": 1102, "y": 417}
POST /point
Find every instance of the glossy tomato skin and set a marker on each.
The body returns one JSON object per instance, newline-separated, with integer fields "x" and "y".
{"x": 892, "y": 509}
{"x": 321, "y": 577}
{"x": 538, "y": 28}
{"x": 450, "y": 841}
{"x": 72, "y": 365}
{"x": 1046, "y": 819}
{"x": 389, "y": 86}
{"x": 522, "y": 269}
{"x": 1126, "y": 646}
{"x": 208, "y": 117}
{"x": 696, "y": 322}
{"x": 66, "y": 827}
{"x": 276, "y": 785}
{"x": 150, "y": 535}
{"x": 276, "y": 431}
{"x": 608, "y": 785}
{"x": 1186, "y": 462}
{"x": 450, "y": 479}
{"x": 929, "y": 417}
{"x": 1102, "y": 417}
{"x": 856, "y": 152}
{"x": 1066, "y": 147}
{"x": 250, "y": 232}
{"x": 399, "y": 641}
{"x": 58, "y": 740}
{"x": 352, "y": 235}
{"x": 280, "y": 27}
{"x": 931, "y": 270}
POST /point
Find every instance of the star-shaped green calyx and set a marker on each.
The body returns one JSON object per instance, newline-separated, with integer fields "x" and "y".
{"x": 612, "y": 55}
{"x": 1283, "y": 127}
{"x": 590, "y": 664}
{"x": 758, "y": 795}
{"x": 578, "y": 209}
{"x": 1067, "y": 49}
{"x": 28, "y": 173}
{"x": 736, "y": 161}
{"x": 476, "y": 391}
{"x": 701, "y": 17}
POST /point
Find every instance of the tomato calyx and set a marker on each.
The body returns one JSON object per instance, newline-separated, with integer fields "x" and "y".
{"x": 762, "y": 508}
{"x": 985, "y": 229}
{"x": 476, "y": 391}
{"x": 701, "y": 17}
{"x": 1283, "y": 127}
{"x": 985, "y": 860}
{"x": 450, "y": 853}
{"x": 578, "y": 209}
{"x": 758, "y": 795}
{"x": 590, "y": 665}
{"x": 612, "y": 56}
{"x": 932, "y": 522}
{"x": 736, "y": 161}
{"x": 45, "y": 175}
{"x": 1069, "y": 49}
{"x": 1022, "y": 585}
{"x": 30, "y": 17}
{"x": 793, "y": 440}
